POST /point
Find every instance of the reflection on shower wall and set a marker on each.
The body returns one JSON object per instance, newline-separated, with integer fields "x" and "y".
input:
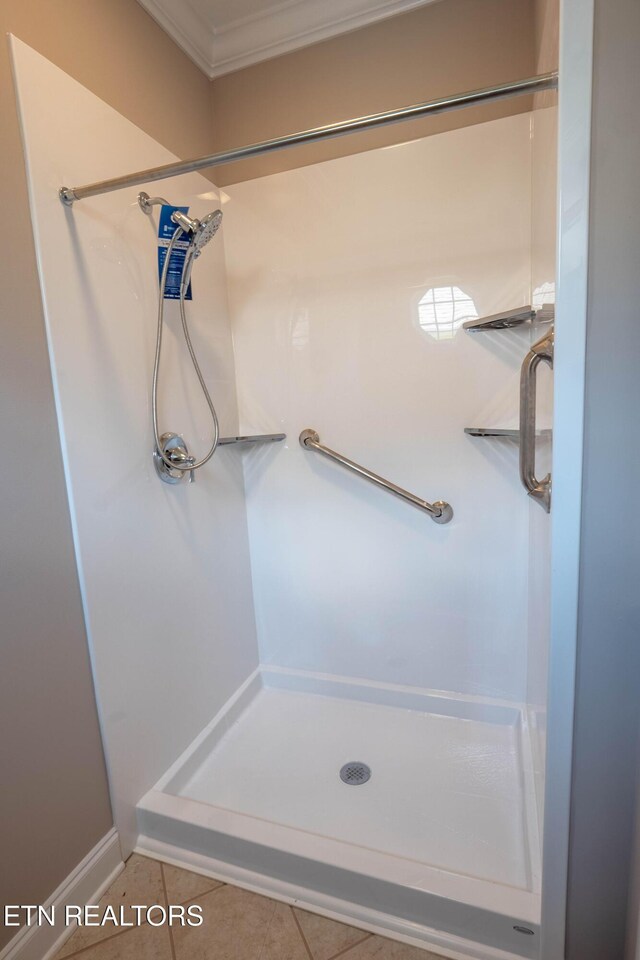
{"x": 348, "y": 283}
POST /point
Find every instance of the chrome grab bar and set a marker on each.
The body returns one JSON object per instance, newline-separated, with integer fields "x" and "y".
{"x": 539, "y": 490}
{"x": 440, "y": 512}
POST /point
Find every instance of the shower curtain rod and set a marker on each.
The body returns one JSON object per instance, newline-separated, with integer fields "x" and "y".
{"x": 546, "y": 81}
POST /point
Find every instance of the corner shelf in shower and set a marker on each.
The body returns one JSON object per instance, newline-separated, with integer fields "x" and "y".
{"x": 502, "y": 433}
{"x": 257, "y": 438}
{"x": 508, "y": 319}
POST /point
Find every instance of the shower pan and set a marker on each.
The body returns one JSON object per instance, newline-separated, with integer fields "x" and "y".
{"x": 441, "y": 837}
{"x": 306, "y": 686}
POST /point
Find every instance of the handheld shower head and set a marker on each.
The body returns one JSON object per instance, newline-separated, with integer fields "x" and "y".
{"x": 201, "y": 231}
{"x": 207, "y": 229}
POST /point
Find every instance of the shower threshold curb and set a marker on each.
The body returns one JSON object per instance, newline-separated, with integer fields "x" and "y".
{"x": 342, "y": 910}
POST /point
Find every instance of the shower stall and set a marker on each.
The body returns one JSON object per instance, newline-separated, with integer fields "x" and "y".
{"x": 306, "y": 686}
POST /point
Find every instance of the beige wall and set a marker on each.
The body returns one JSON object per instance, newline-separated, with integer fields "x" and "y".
{"x": 547, "y": 34}
{"x": 54, "y": 803}
{"x": 547, "y": 43}
{"x": 442, "y": 48}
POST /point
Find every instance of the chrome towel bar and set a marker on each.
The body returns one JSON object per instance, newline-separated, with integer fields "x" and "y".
{"x": 440, "y": 512}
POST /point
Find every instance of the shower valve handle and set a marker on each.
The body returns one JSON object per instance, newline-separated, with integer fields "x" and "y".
{"x": 175, "y": 450}
{"x": 182, "y": 460}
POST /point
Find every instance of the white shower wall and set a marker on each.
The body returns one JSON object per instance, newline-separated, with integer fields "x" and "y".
{"x": 326, "y": 268}
{"x": 164, "y": 570}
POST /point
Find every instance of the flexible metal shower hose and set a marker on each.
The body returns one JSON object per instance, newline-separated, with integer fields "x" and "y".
{"x": 156, "y": 366}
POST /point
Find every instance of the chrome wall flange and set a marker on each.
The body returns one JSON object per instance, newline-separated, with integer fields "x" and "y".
{"x": 542, "y": 493}
{"x": 147, "y": 203}
{"x": 67, "y": 196}
{"x": 143, "y": 202}
{"x": 175, "y": 449}
{"x": 308, "y": 435}
{"x": 446, "y": 512}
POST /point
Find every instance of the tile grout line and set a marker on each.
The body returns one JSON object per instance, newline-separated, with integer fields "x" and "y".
{"x": 121, "y": 933}
{"x": 98, "y": 943}
{"x": 219, "y": 886}
{"x": 205, "y": 893}
{"x": 166, "y": 903}
{"x": 301, "y": 932}
{"x": 266, "y": 933}
{"x": 352, "y": 946}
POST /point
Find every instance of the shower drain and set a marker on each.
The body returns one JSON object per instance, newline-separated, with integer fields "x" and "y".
{"x": 354, "y": 773}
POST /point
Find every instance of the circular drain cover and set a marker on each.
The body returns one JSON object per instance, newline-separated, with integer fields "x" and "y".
{"x": 354, "y": 773}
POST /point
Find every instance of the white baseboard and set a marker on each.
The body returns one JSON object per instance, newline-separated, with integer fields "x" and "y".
{"x": 85, "y": 884}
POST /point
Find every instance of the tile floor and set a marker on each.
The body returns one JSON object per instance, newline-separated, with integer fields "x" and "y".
{"x": 238, "y": 925}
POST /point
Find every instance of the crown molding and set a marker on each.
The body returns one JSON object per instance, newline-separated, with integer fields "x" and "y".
{"x": 278, "y": 29}
{"x": 186, "y": 28}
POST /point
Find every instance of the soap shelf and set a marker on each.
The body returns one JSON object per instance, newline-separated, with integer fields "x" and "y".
{"x": 504, "y": 433}
{"x": 257, "y": 438}
{"x": 512, "y": 318}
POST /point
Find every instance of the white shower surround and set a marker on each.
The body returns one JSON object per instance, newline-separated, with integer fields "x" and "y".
{"x": 164, "y": 570}
{"x": 325, "y": 266}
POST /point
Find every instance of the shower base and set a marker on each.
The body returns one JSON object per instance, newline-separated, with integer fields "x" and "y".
{"x": 439, "y": 847}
